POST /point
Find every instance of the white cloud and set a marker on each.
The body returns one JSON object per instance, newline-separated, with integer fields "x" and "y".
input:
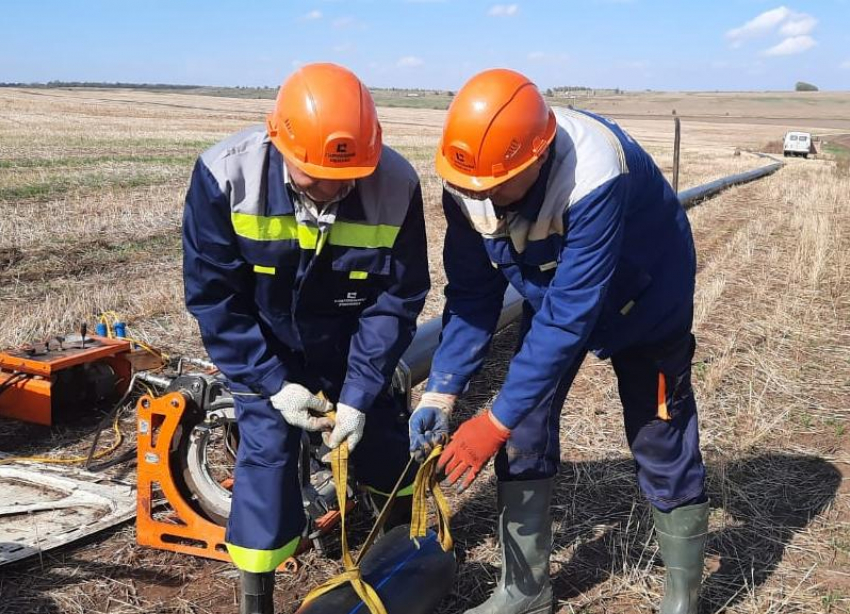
{"x": 536, "y": 55}
{"x": 798, "y": 25}
{"x": 845, "y": 65}
{"x": 791, "y": 46}
{"x": 312, "y": 15}
{"x": 503, "y": 10}
{"x": 343, "y": 47}
{"x": 409, "y": 61}
{"x": 793, "y": 28}
{"x": 760, "y": 26}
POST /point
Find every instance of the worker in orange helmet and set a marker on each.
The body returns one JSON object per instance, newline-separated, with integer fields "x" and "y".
{"x": 568, "y": 209}
{"x": 306, "y": 266}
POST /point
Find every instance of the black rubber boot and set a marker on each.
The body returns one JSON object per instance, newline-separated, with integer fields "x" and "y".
{"x": 525, "y": 537}
{"x": 681, "y": 536}
{"x": 257, "y": 593}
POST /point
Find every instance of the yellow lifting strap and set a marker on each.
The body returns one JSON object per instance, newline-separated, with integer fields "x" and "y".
{"x": 424, "y": 483}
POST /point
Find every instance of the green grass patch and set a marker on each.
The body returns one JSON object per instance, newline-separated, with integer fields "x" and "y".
{"x": 415, "y": 154}
{"x": 431, "y": 102}
{"x": 91, "y": 145}
{"x": 168, "y": 241}
{"x": 836, "y": 150}
{"x": 266, "y": 93}
{"x": 832, "y": 600}
{"x": 83, "y": 161}
{"x": 62, "y": 185}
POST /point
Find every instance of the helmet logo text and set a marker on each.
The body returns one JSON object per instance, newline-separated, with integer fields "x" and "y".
{"x": 513, "y": 149}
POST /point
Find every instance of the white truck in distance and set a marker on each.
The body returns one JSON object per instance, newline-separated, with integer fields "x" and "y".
{"x": 797, "y": 144}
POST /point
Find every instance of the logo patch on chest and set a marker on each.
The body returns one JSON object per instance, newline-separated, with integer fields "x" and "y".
{"x": 351, "y": 299}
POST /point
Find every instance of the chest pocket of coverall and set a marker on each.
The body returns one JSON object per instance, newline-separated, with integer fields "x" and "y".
{"x": 274, "y": 282}
{"x": 356, "y": 276}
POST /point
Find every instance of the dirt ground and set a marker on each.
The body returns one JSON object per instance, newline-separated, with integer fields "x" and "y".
{"x": 91, "y": 188}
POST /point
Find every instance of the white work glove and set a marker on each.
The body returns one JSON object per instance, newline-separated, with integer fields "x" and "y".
{"x": 296, "y": 403}
{"x": 349, "y": 426}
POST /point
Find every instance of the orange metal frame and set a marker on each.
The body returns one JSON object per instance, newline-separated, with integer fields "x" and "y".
{"x": 184, "y": 530}
{"x": 13, "y": 361}
{"x": 30, "y": 400}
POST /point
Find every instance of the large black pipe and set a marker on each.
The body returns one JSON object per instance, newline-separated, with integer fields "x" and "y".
{"x": 694, "y": 196}
{"x": 416, "y": 362}
{"x": 410, "y": 577}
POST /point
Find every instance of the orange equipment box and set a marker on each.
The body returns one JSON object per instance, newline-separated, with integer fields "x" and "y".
{"x": 40, "y": 381}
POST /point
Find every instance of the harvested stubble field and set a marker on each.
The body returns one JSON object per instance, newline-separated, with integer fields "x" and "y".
{"x": 91, "y": 188}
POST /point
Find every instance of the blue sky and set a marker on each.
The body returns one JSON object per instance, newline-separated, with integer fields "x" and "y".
{"x": 631, "y": 44}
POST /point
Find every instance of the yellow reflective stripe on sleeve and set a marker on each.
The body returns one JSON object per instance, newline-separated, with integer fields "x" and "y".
{"x": 266, "y": 270}
{"x": 358, "y": 275}
{"x": 352, "y": 234}
{"x": 274, "y": 228}
{"x": 261, "y": 561}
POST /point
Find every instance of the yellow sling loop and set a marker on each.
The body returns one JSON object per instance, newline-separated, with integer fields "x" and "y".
{"x": 424, "y": 483}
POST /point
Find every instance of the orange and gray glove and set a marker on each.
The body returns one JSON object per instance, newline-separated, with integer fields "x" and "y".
{"x": 474, "y": 443}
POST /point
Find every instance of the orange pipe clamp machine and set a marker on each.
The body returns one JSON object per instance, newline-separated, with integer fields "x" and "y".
{"x": 174, "y": 468}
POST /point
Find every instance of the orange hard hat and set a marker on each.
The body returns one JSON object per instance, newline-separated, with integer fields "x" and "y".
{"x": 325, "y": 123}
{"x": 497, "y": 126}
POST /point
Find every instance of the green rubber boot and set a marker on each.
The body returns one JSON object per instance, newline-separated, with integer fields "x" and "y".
{"x": 525, "y": 536}
{"x": 681, "y": 536}
{"x": 257, "y": 593}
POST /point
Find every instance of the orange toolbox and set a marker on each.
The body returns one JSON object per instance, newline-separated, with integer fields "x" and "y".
{"x": 43, "y": 381}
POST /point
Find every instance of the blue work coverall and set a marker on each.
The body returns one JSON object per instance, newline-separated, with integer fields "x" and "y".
{"x": 279, "y": 300}
{"x": 602, "y": 252}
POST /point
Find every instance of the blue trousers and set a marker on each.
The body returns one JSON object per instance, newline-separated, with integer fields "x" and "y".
{"x": 267, "y": 511}
{"x": 660, "y": 416}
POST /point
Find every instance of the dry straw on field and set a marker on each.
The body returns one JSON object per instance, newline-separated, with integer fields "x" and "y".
{"x": 90, "y": 221}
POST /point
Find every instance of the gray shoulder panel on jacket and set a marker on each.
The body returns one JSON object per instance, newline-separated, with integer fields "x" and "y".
{"x": 389, "y": 188}
{"x": 237, "y": 164}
